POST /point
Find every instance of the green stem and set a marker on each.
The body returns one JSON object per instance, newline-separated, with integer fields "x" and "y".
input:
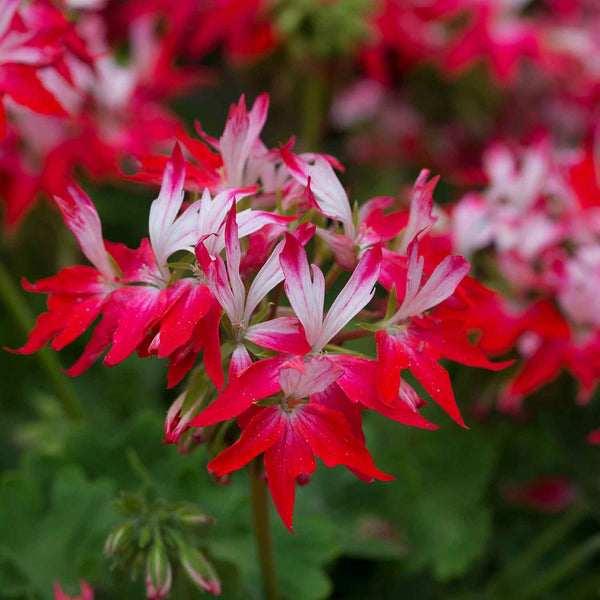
{"x": 584, "y": 588}
{"x": 523, "y": 562}
{"x": 564, "y": 568}
{"x": 313, "y": 110}
{"x": 138, "y": 467}
{"x": 11, "y": 297}
{"x": 334, "y": 272}
{"x": 346, "y": 336}
{"x": 262, "y": 530}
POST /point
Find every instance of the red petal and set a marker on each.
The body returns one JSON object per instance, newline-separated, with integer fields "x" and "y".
{"x": 284, "y": 334}
{"x": 328, "y": 434}
{"x": 137, "y": 265}
{"x": 261, "y": 433}
{"x": 359, "y": 383}
{"x": 101, "y": 340}
{"x": 289, "y": 457}
{"x": 47, "y": 325}
{"x": 449, "y": 340}
{"x": 182, "y": 360}
{"x": 359, "y": 379}
{"x": 399, "y": 412}
{"x": 71, "y": 280}
{"x": 538, "y": 370}
{"x": 436, "y": 381}
{"x": 81, "y": 316}
{"x": 178, "y": 323}
{"x": 335, "y": 399}
{"x": 2, "y": 121}
{"x": 21, "y": 83}
{"x": 258, "y": 381}
{"x": 140, "y": 308}
{"x": 391, "y": 359}
{"x": 206, "y": 335}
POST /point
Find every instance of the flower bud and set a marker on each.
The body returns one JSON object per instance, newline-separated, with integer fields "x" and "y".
{"x": 192, "y": 515}
{"x": 222, "y": 479}
{"x": 128, "y": 503}
{"x": 303, "y": 479}
{"x": 145, "y": 536}
{"x": 158, "y": 572}
{"x": 198, "y": 569}
{"x": 177, "y": 423}
{"x": 119, "y": 539}
{"x": 191, "y": 439}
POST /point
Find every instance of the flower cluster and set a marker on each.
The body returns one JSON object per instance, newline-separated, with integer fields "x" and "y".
{"x": 227, "y": 274}
{"x": 84, "y": 83}
{"x": 70, "y": 100}
{"x": 539, "y": 219}
{"x": 506, "y": 69}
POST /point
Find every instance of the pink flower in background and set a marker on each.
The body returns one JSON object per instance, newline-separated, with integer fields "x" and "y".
{"x": 25, "y": 50}
{"x": 86, "y": 592}
{"x": 539, "y": 217}
{"x": 547, "y": 494}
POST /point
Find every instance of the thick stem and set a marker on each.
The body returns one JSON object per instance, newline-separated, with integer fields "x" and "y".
{"x": 313, "y": 109}
{"x": 262, "y": 529}
{"x": 334, "y": 272}
{"x": 346, "y": 336}
{"x": 11, "y": 297}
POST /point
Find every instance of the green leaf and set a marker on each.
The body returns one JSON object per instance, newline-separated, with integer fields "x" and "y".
{"x": 61, "y": 543}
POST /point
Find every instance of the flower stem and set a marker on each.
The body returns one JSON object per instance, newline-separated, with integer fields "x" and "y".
{"x": 276, "y": 299}
{"x": 333, "y": 273}
{"x": 346, "y": 336}
{"x": 313, "y": 109}
{"x": 262, "y": 530}
{"x": 548, "y": 580}
{"x": 11, "y": 297}
{"x": 521, "y": 564}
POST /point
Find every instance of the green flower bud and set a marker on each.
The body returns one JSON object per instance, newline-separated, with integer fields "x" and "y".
{"x": 198, "y": 569}
{"x": 119, "y": 538}
{"x": 192, "y": 515}
{"x": 159, "y": 574}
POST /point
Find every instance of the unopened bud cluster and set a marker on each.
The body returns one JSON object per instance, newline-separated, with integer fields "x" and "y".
{"x": 155, "y": 540}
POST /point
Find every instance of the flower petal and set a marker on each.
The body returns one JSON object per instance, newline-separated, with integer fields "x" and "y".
{"x": 82, "y": 219}
{"x": 306, "y": 294}
{"x": 391, "y": 359}
{"x": 355, "y": 295}
{"x": 307, "y": 378}
{"x": 282, "y": 335}
{"x": 140, "y": 308}
{"x": 177, "y": 325}
{"x": 289, "y": 457}
{"x": 260, "y": 433}
{"x": 421, "y": 205}
{"x": 329, "y": 194}
{"x": 440, "y": 285}
{"x": 259, "y": 380}
{"x": 328, "y": 434}
{"x": 436, "y": 381}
